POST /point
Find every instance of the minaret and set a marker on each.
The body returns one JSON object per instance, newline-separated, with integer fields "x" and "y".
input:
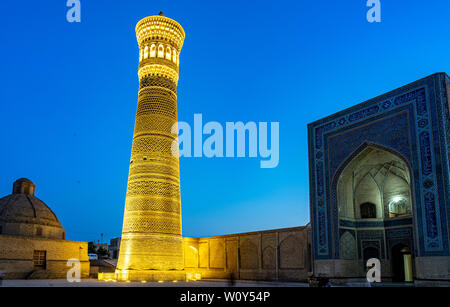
{"x": 151, "y": 234}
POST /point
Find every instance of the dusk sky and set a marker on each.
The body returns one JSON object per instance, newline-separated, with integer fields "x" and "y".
{"x": 69, "y": 91}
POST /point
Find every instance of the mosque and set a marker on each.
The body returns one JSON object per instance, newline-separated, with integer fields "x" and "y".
{"x": 379, "y": 185}
{"x": 379, "y": 188}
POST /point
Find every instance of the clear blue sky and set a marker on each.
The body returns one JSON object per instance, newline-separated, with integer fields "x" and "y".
{"x": 68, "y": 97}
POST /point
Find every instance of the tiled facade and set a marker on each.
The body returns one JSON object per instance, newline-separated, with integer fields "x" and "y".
{"x": 412, "y": 123}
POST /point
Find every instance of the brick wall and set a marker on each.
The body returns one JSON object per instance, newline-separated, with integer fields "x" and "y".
{"x": 16, "y": 257}
{"x": 280, "y": 254}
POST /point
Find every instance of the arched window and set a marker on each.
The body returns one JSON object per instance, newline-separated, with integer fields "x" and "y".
{"x": 146, "y": 52}
{"x": 368, "y": 211}
{"x": 174, "y": 56}
{"x": 168, "y": 53}
{"x": 397, "y": 207}
{"x": 178, "y": 60}
{"x": 153, "y": 51}
{"x": 160, "y": 51}
{"x": 141, "y": 54}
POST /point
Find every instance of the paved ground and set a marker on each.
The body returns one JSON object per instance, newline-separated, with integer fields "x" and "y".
{"x": 97, "y": 283}
{"x": 202, "y": 283}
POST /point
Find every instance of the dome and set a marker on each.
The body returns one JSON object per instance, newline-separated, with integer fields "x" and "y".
{"x": 21, "y": 213}
{"x": 24, "y": 180}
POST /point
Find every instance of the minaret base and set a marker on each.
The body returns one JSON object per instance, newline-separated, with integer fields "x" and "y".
{"x": 149, "y": 276}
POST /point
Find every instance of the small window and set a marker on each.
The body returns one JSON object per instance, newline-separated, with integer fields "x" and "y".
{"x": 40, "y": 258}
{"x": 38, "y": 231}
{"x": 174, "y": 56}
{"x": 1, "y": 230}
{"x": 160, "y": 51}
{"x": 368, "y": 211}
{"x": 397, "y": 207}
{"x": 168, "y": 53}
{"x": 153, "y": 51}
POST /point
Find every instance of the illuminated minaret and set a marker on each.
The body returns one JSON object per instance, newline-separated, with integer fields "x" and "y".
{"x": 151, "y": 234}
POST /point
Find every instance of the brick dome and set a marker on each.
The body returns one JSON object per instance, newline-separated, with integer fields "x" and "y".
{"x": 21, "y": 213}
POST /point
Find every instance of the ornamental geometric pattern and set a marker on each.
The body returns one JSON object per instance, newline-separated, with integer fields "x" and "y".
{"x": 156, "y": 28}
{"x": 158, "y": 71}
{"x": 348, "y": 246}
{"x": 152, "y": 204}
{"x": 153, "y": 187}
{"x": 151, "y": 234}
{"x": 155, "y": 124}
{"x": 157, "y": 82}
{"x": 152, "y": 144}
{"x": 152, "y": 222}
{"x": 142, "y": 170}
{"x": 157, "y": 101}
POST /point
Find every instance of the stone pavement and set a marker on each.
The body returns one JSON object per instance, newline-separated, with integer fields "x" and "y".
{"x": 97, "y": 283}
{"x": 201, "y": 283}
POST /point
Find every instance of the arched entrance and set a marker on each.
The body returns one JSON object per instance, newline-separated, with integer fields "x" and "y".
{"x": 375, "y": 184}
{"x": 368, "y": 253}
{"x": 371, "y": 252}
{"x": 374, "y": 201}
{"x": 398, "y": 253}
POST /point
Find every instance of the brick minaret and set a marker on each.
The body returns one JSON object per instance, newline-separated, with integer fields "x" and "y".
{"x": 151, "y": 234}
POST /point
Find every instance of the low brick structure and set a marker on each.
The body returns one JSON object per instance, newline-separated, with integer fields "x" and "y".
{"x": 18, "y": 257}
{"x": 32, "y": 240}
{"x": 279, "y": 254}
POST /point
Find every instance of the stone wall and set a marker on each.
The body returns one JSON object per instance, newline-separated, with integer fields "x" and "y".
{"x": 16, "y": 257}
{"x": 280, "y": 254}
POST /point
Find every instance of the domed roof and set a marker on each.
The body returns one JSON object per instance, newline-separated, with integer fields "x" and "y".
{"x": 23, "y": 207}
{"x": 24, "y": 180}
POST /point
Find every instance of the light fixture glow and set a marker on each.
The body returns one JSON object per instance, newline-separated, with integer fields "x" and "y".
{"x": 396, "y": 199}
